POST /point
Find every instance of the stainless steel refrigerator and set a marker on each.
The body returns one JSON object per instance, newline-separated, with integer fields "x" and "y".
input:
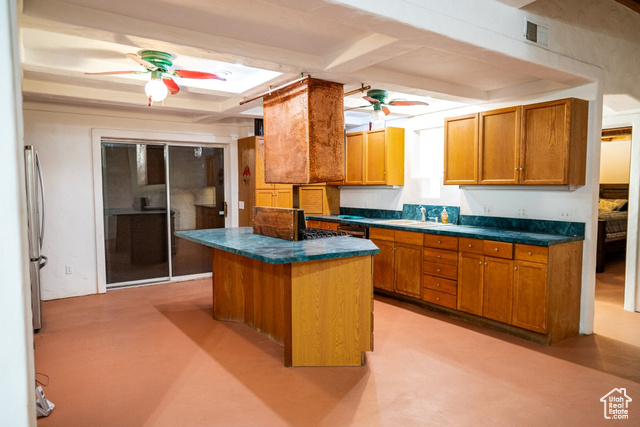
{"x": 35, "y": 212}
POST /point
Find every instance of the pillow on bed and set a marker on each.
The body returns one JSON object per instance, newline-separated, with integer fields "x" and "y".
{"x": 612, "y": 205}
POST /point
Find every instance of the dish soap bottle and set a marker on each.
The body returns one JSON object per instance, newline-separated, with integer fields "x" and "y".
{"x": 444, "y": 216}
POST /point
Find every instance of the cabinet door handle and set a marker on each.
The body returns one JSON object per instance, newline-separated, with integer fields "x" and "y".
{"x": 480, "y": 262}
{"x": 521, "y": 169}
{"x": 439, "y": 242}
{"x": 469, "y": 244}
{"x": 486, "y": 263}
{"x": 515, "y": 268}
{"x": 438, "y": 284}
{"x": 438, "y": 270}
{"x": 495, "y": 249}
{"x": 437, "y": 298}
{"x": 439, "y": 256}
{"x": 530, "y": 253}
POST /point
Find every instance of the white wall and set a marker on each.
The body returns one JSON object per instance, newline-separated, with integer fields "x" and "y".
{"x": 63, "y": 138}
{"x": 615, "y": 161}
{"x": 17, "y": 397}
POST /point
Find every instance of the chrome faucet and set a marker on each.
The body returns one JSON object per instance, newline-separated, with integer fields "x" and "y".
{"x": 423, "y": 211}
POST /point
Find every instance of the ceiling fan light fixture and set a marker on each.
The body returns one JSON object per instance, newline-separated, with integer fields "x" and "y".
{"x": 377, "y": 116}
{"x": 156, "y": 90}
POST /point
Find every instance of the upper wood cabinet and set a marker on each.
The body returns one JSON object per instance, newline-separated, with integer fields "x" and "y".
{"x": 461, "y": 150}
{"x": 554, "y": 142}
{"x": 375, "y": 157}
{"x": 537, "y": 144}
{"x": 499, "y": 146}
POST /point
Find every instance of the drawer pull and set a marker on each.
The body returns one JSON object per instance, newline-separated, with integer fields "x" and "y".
{"x": 515, "y": 268}
{"x": 530, "y": 253}
{"x": 437, "y": 298}
{"x": 439, "y": 241}
{"x": 480, "y": 262}
{"x": 469, "y": 244}
{"x": 486, "y": 263}
{"x": 437, "y": 284}
{"x": 495, "y": 249}
{"x": 439, "y": 256}
{"x": 438, "y": 270}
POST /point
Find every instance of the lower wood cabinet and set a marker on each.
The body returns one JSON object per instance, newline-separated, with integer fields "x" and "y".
{"x": 485, "y": 282}
{"x": 440, "y": 268}
{"x": 408, "y": 262}
{"x": 530, "y": 290}
{"x": 398, "y": 266}
{"x": 498, "y": 288}
{"x": 324, "y": 225}
{"x": 531, "y": 287}
{"x": 470, "y": 282}
{"x": 384, "y": 265}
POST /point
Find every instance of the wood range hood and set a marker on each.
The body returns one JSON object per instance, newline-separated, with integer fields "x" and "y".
{"x": 304, "y": 133}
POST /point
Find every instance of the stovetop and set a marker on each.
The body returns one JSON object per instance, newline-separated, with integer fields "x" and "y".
{"x": 319, "y": 233}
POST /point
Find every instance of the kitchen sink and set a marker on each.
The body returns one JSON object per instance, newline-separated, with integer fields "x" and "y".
{"x": 408, "y": 223}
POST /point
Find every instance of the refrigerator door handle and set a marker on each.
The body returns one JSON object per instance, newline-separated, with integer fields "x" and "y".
{"x": 41, "y": 183}
{"x": 43, "y": 261}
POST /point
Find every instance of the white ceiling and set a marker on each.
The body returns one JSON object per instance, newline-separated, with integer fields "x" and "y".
{"x": 62, "y": 39}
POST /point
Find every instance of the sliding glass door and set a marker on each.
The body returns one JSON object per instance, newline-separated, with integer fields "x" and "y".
{"x": 140, "y": 180}
{"x": 197, "y": 201}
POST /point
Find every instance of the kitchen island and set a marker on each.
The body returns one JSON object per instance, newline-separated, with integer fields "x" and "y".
{"x": 314, "y": 297}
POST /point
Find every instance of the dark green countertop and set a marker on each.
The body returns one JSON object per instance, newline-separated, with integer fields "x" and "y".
{"x": 242, "y": 241}
{"x": 488, "y": 233}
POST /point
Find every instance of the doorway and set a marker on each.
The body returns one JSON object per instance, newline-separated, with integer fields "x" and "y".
{"x": 140, "y": 179}
{"x": 615, "y": 167}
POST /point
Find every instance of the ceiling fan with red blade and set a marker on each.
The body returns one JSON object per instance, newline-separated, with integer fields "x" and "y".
{"x": 160, "y": 65}
{"x": 379, "y": 99}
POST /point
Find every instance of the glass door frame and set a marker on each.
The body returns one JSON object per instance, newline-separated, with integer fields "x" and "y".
{"x": 166, "y": 139}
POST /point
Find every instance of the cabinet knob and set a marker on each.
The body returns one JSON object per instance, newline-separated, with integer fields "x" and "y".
{"x": 469, "y": 244}
{"x": 495, "y": 249}
{"x": 437, "y": 298}
{"x": 438, "y": 284}
{"x": 521, "y": 169}
{"x": 439, "y": 241}
{"x": 530, "y": 253}
{"x": 439, "y": 256}
{"x": 438, "y": 270}
{"x": 516, "y": 168}
{"x": 515, "y": 268}
{"x": 486, "y": 263}
{"x": 480, "y": 262}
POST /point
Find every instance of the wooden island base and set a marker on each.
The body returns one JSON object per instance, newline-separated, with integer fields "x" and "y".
{"x": 320, "y": 311}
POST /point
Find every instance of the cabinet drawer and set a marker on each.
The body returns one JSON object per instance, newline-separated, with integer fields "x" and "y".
{"x": 440, "y": 298}
{"x": 471, "y": 245}
{"x": 381, "y": 233}
{"x": 440, "y": 270}
{"x": 440, "y": 284}
{"x": 408, "y": 237}
{"x": 498, "y": 249}
{"x": 440, "y": 256}
{"x": 532, "y": 253}
{"x": 441, "y": 242}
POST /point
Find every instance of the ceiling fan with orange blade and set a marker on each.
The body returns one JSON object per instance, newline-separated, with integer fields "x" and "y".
{"x": 379, "y": 99}
{"x": 160, "y": 65}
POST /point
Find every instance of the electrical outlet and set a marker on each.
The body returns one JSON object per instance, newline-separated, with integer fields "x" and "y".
{"x": 67, "y": 269}
{"x": 486, "y": 209}
{"x": 565, "y": 215}
{"x": 521, "y": 212}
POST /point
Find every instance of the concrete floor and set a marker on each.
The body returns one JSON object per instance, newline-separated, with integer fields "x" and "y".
{"x": 153, "y": 356}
